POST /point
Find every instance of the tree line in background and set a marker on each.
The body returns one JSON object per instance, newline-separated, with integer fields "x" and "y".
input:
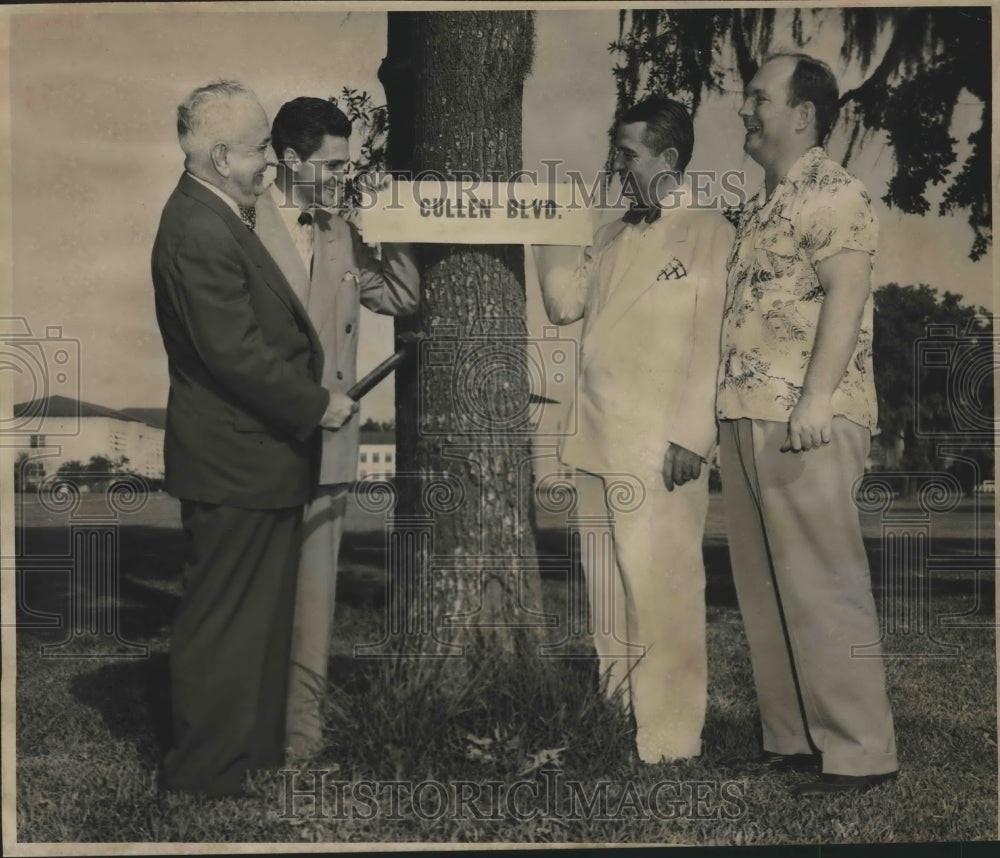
{"x": 935, "y": 363}
{"x": 371, "y": 425}
{"x": 94, "y": 476}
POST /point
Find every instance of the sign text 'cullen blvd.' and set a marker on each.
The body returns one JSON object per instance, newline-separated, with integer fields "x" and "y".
{"x": 492, "y": 213}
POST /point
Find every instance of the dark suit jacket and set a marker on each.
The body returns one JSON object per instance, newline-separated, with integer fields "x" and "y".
{"x": 244, "y": 361}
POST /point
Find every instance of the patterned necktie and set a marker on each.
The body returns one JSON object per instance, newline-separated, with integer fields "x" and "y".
{"x": 637, "y": 213}
{"x": 248, "y": 214}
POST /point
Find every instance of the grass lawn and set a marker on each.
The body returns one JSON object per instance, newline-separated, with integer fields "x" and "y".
{"x": 538, "y": 755}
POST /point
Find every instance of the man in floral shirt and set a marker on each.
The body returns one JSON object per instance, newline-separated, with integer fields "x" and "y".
{"x": 796, "y": 402}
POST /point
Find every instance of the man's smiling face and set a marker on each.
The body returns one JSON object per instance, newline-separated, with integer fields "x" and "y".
{"x": 767, "y": 116}
{"x": 247, "y": 152}
{"x": 321, "y": 176}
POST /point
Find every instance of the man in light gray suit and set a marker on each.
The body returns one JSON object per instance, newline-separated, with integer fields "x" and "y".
{"x": 333, "y": 273}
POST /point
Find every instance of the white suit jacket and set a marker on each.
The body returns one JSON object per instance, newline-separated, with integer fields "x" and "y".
{"x": 651, "y": 303}
{"x": 344, "y": 276}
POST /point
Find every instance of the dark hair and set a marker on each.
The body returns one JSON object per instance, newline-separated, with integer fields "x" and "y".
{"x": 303, "y": 123}
{"x": 668, "y": 126}
{"x": 813, "y": 80}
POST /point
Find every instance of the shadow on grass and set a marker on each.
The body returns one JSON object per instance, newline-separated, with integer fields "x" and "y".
{"x": 148, "y": 563}
{"x": 133, "y": 698}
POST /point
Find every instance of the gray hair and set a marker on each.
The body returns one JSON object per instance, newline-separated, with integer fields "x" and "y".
{"x": 195, "y": 117}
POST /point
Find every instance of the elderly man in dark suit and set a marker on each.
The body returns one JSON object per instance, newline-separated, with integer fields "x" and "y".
{"x": 241, "y": 445}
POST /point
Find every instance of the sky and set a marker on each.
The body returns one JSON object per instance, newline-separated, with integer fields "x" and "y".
{"x": 95, "y": 156}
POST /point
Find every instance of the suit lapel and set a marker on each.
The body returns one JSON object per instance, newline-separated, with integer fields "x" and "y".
{"x": 278, "y": 242}
{"x": 279, "y": 285}
{"x": 251, "y": 244}
{"x": 635, "y": 275}
{"x": 329, "y": 266}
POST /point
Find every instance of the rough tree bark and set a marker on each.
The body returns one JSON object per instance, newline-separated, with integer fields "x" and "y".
{"x": 466, "y": 573}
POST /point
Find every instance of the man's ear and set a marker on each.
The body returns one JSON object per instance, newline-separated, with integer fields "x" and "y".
{"x": 669, "y": 155}
{"x": 220, "y": 158}
{"x": 805, "y": 113}
{"x": 291, "y": 158}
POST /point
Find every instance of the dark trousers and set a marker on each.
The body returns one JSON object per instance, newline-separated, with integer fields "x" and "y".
{"x": 230, "y": 650}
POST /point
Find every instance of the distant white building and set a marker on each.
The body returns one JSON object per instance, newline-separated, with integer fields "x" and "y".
{"x": 376, "y": 453}
{"x": 64, "y": 430}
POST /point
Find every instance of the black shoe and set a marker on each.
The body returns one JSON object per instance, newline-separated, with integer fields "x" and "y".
{"x": 773, "y": 762}
{"x": 838, "y": 784}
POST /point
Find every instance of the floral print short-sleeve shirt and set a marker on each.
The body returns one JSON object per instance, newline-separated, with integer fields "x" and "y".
{"x": 774, "y": 297}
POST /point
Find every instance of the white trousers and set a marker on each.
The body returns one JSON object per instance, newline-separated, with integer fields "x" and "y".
{"x": 646, "y": 585}
{"x": 312, "y": 629}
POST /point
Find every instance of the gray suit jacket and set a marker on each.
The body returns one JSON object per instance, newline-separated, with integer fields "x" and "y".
{"x": 244, "y": 361}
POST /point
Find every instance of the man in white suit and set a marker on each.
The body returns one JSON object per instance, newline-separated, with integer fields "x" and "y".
{"x": 333, "y": 273}
{"x": 650, "y": 291}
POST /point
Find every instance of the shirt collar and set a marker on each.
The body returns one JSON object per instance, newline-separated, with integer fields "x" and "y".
{"x": 804, "y": 163}
{"x": 789, "y": 182}
{"x": 290, "y": 214}
{"x": 222, "y": 195}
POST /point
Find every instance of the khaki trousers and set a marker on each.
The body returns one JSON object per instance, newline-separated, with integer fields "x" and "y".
{"x": 646, "y": 585}
{"x": 312, "y": 628}
{"x": 804, "y": 590}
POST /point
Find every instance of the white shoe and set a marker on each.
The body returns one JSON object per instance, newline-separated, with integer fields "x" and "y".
{"x": 656, "y": 748}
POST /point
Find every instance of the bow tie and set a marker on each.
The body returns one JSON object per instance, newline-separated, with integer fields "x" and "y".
{"x": 248, "y": 214}
{"x": 637, "y": 213}
{"x": 318, "y": 216}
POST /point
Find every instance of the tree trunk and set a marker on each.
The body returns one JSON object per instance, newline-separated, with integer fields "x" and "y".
{"x": 464, "y": 570}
